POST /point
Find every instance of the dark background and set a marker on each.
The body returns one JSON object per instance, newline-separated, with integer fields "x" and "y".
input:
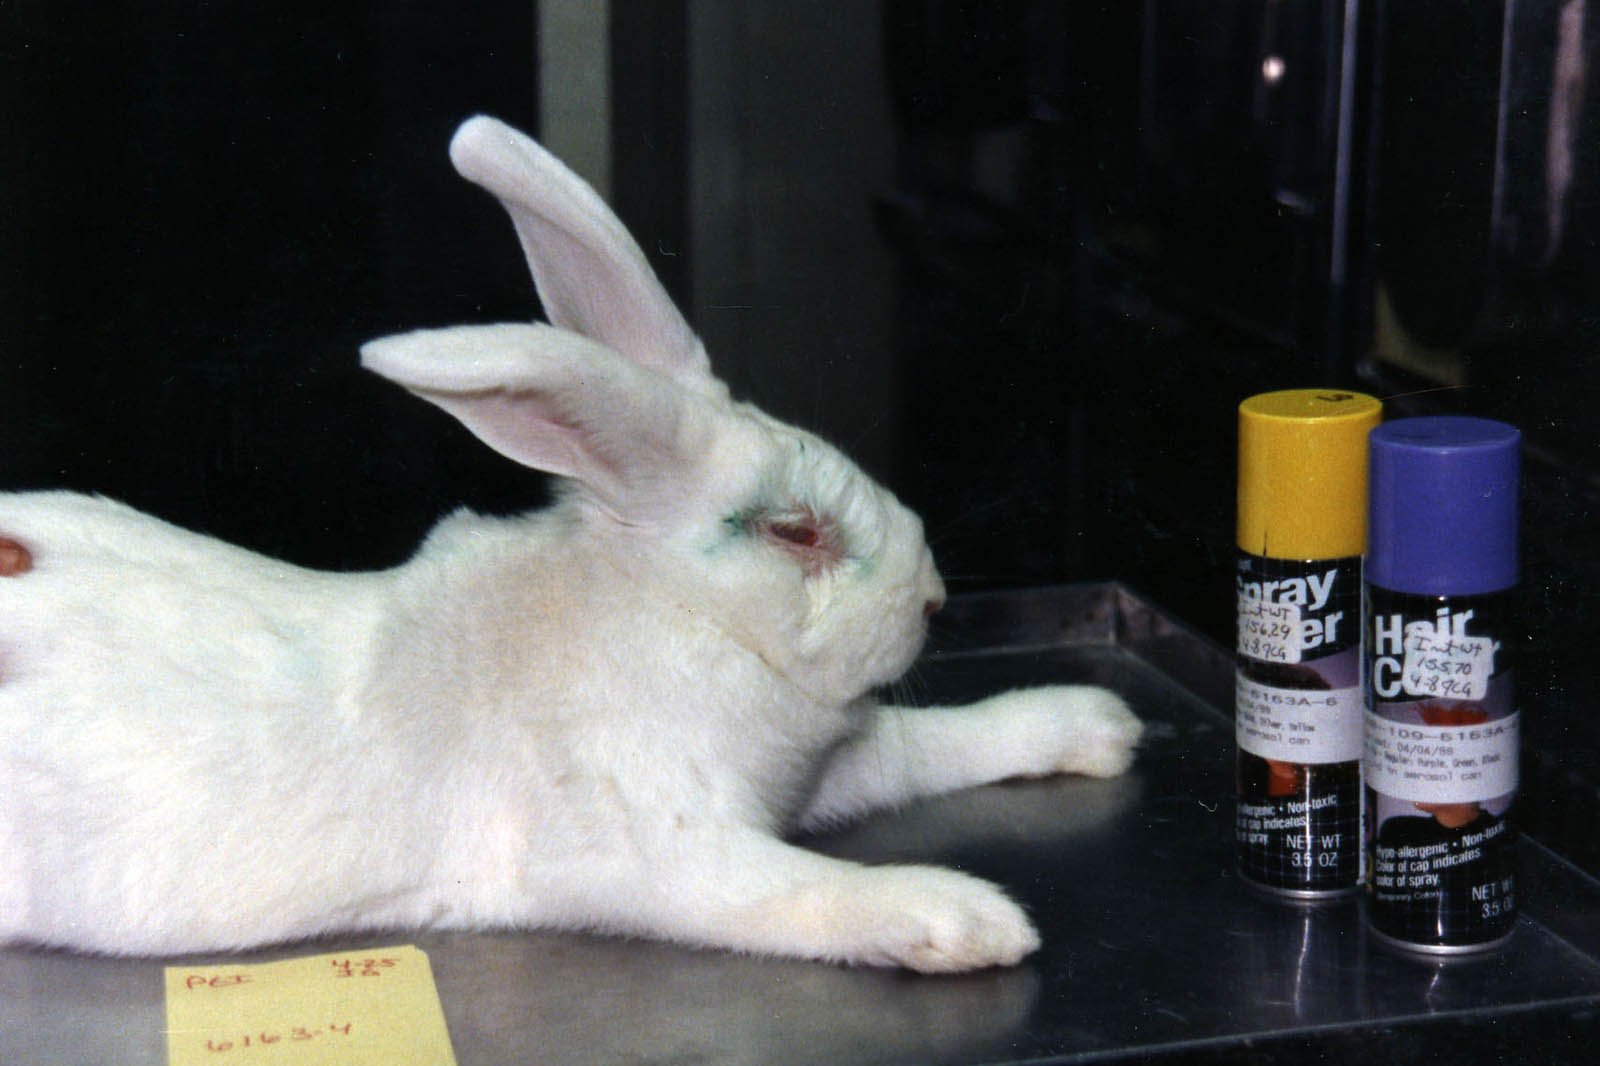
{"x": 1091, "y": 230}
{"x": 207, "y": 208}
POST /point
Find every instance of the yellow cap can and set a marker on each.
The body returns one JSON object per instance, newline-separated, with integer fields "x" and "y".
{"x": 1303, "y": 473}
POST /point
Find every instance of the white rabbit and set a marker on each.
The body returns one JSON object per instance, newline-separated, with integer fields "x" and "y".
{"x": 601, "y": 716}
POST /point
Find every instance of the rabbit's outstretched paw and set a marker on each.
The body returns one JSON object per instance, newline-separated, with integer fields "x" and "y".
{"x": 1065, "y": 729}
{"x": 934, "y": 920}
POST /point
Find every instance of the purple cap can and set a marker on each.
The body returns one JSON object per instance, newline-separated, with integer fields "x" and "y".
{"x": 1443, "y": 728}
{"x": 1443, "y": 513}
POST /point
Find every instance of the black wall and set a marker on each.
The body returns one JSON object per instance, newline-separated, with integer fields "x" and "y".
{"x": 206, "y": 208}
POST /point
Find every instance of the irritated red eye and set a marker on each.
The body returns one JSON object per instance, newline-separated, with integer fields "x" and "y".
{"x": 800, "y": 534}
{"x": 812, "y": 539}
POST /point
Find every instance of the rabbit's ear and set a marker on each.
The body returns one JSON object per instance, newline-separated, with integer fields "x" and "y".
{"x": 592, "y": 277}
{"x": 553, "y": 400}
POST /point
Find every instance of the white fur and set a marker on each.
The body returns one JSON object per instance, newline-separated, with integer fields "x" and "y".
{"x": 604, "y": 715}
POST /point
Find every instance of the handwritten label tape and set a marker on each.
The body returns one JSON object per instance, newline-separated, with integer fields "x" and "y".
{"x": 351, "y": 1008}
{"x": 1269, "y": 632}
{"x": 1454, "y": 666}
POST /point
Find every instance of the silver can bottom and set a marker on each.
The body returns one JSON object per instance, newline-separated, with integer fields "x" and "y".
{"x": 1300, "y": 895}
{"x": 1438, "y": 951}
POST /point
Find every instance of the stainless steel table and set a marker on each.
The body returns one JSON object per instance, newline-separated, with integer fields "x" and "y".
{"x": 1153, "y": 947}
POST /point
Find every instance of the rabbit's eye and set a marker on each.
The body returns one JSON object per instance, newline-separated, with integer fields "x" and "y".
{"x": 800, "y": 534}
{"x": 815, "y": 541}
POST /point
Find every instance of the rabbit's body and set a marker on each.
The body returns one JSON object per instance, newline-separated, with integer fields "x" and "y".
{"x": 604, "y": 715}
{"x": 158, "y": 756}
{"x": 237, "y": 721}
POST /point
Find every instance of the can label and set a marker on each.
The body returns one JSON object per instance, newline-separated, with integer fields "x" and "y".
{"x": 1298, "y": 723}
{"x": 1442, "y": 745}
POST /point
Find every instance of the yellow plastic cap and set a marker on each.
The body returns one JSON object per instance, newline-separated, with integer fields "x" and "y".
{"x": 1303, "y": 473}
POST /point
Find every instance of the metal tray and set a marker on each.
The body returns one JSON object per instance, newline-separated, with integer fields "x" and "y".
{"x": 1153, "y": 947}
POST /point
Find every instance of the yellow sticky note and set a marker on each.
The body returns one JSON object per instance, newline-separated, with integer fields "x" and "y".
{"x": 350, "y": 1008}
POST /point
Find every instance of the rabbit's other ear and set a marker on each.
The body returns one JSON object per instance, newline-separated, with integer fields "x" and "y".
{"x": 591, "y": 276}
{"x": 552, "y": 400}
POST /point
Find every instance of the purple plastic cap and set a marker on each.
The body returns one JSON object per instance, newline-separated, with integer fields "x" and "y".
{"x": 1442, "y": 518}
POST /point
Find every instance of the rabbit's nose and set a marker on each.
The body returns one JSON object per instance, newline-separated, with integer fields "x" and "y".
{"x": 932, "y": 607}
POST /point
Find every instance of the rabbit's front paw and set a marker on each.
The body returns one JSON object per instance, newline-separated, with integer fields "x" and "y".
{"x": 1106, "y": 734}
{"x": 1067, "y": 729}
{"x": 933, "y": 920}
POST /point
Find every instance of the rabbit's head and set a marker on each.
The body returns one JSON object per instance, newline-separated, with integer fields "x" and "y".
{"x": 755, "y": 527}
